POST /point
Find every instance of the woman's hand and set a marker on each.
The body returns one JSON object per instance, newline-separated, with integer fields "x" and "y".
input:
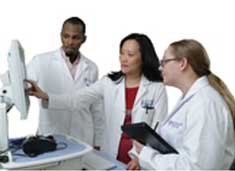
{"x": 133, "y": 164}
{"x": 36, "y": 91}
{"x": 138, "y": 146}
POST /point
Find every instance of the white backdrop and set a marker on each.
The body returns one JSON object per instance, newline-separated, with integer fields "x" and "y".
{"x": 37, "y": 24}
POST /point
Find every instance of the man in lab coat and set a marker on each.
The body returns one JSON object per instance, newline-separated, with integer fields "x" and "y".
{"x": 67, "y": 70}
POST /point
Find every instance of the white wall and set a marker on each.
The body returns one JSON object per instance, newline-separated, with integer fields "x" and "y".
{"x": 37, "y": 25}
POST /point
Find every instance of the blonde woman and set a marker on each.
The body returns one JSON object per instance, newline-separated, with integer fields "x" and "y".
{"x": 201, "y": 125}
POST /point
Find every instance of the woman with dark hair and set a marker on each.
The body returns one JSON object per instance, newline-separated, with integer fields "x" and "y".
{"x": 148, "y": 56}
{"x": 134, "y": 94}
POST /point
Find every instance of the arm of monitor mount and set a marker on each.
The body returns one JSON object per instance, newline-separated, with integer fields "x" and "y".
{"x": 3, "y": 128}
{"x": 5, "y": 105}
{"x": 5, "y": 91}
{"x": 4, "y": 98}
{"x": 5, "y": 154}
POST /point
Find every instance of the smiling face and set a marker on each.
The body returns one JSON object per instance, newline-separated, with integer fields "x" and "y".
{"x": 130, "y": 57}
{"x": 72, "y": 38}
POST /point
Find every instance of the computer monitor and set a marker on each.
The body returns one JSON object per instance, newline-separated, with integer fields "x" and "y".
{"x": 17, "y": 76}
{"x": 13, "y": 92}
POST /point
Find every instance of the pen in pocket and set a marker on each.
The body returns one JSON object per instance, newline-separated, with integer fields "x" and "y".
{"x": 155, "y": 127}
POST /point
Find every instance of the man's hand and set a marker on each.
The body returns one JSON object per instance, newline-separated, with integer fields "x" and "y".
{"x": 36, "y": 91}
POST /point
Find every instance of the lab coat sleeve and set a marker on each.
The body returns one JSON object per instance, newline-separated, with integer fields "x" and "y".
{"x": 86, "y": 96}
{"x": 132, "y": 153}
{"x": 203, "y": 145}
{"x": 98, "y": 119}
{"x": 33, "y": 69}
{"x": 97, "y": 115}
{"x": 147, "y": 154}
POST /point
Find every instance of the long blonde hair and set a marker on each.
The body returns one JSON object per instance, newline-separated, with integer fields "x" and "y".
{"x": 200, "y": 63}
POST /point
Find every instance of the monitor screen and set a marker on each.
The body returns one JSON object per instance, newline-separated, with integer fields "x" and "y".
{"x": 17, "y": 72}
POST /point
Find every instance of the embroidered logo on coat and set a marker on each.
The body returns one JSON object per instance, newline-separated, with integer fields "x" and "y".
{"x": 175, "y": 124}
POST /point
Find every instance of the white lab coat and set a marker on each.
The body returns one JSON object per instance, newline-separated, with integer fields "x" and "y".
{"x": 51, "y": 73}
{"x": 113, "y": 94}
{"x": 200, "y": 128}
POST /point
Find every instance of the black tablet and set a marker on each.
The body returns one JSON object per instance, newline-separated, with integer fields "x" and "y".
{"x": 147, "y": 136}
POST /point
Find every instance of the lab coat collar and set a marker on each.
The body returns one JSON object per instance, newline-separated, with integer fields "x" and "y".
{"x": 120, "y": 87}
{"x": 82, "y": 66}
{"x": 197, "y": 86}
{"x": 83, "y": 63}
{"x": 144, "y": 81}
{"x": 57, "y": 57}
{"x": 141, "y": 91}
{"x": 142, "y": 88}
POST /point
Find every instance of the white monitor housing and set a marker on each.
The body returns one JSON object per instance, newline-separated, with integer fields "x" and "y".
{"x": 17, "y": 71}
{"x": 13, "y": 91}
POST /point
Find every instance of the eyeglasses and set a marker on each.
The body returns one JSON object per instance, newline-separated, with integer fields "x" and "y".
{"x": 164, "y": 61}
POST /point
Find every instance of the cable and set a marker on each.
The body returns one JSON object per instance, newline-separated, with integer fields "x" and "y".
{"x": 4, "y": 151}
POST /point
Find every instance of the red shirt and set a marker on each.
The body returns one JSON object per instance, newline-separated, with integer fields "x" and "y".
{"x": 125, "y": 142}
